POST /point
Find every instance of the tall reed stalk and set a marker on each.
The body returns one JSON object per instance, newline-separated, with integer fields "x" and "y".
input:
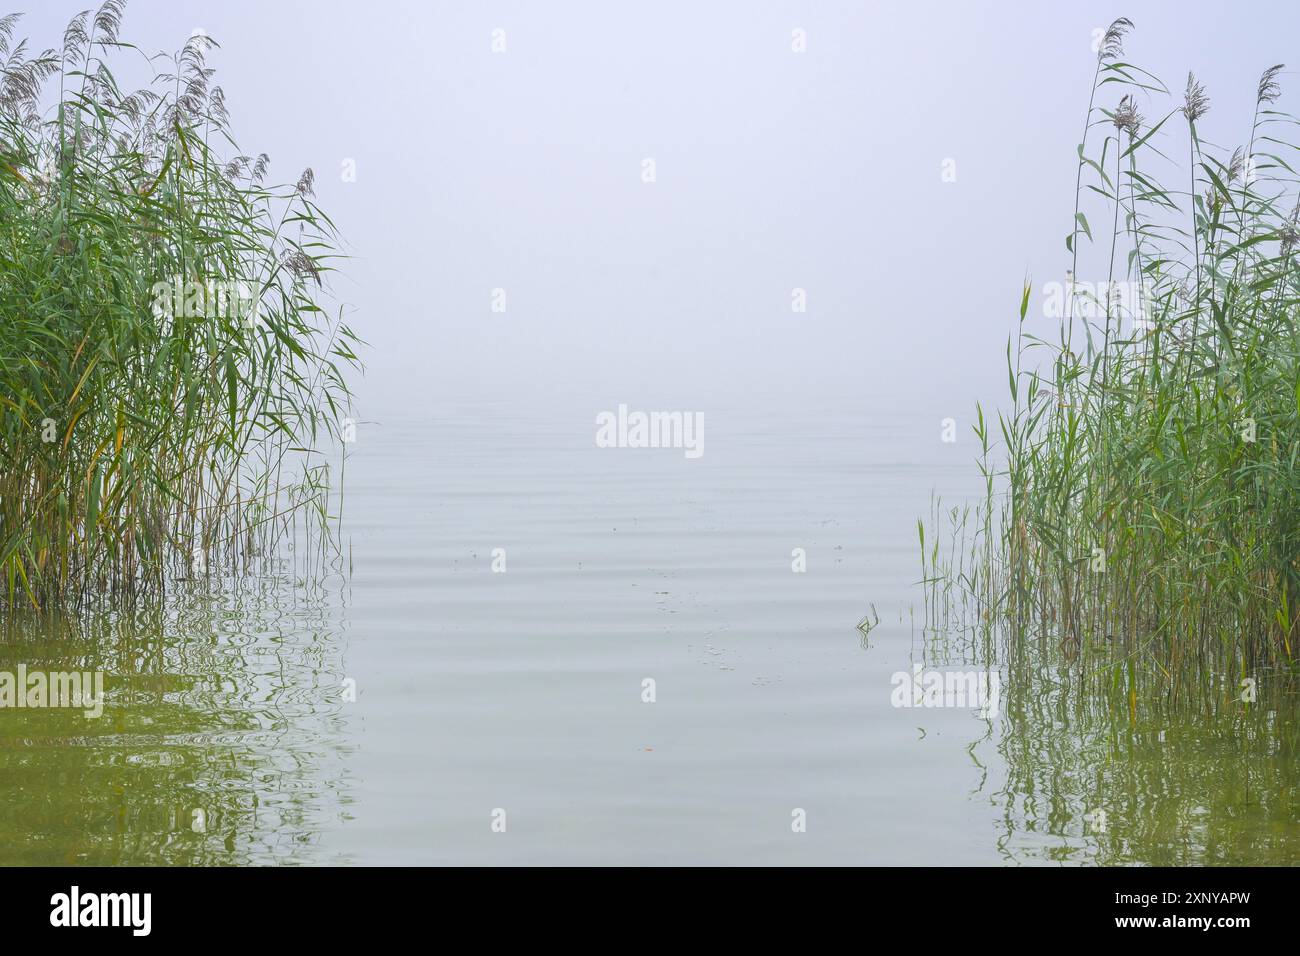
{"x": 1147, "y": 506}
{"x": 167, "y": 370}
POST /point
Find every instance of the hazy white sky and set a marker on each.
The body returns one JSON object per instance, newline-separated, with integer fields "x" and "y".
{"x": 523, "y": 170}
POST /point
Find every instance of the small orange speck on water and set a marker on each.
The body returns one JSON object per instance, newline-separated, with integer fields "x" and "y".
{"x": 647, "y": 749}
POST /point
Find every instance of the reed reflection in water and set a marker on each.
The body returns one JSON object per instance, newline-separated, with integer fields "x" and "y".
{"x": 1115, "y": 764}
{"x": 222, "y": 738}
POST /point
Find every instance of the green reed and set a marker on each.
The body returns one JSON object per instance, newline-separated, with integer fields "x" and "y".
{"x": 168, "y": 373}
{"x": 1143, "y": 497}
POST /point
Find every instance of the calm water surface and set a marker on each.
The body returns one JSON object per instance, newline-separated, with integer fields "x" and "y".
{"x": 227, "y": 736}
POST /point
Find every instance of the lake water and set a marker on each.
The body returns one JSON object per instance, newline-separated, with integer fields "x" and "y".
{"x": 515, "y": 696}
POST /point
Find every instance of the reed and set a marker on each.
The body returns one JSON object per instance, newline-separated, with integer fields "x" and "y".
{"x": 1143, "y": 497}
{"x": 168, "y": 372}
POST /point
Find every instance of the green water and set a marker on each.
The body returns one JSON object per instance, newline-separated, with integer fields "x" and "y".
{"x": 1091, "y": 774}
{"x": 221, "y": 739}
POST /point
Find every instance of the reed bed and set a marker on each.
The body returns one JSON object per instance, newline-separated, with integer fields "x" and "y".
{"x": 169, "y": 375}
{"x": 1142, "y": 494}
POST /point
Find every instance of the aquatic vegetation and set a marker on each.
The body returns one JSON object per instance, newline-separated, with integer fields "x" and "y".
{"x": 168, "y": 373}
{"x": 1143, "y": 497}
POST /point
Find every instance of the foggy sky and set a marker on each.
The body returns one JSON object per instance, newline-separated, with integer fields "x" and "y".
{"x": 775, "y": 170}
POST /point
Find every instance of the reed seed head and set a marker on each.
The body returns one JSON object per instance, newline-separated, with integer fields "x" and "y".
{"x": 1269, "y": 89}
{"x": 1195, "y": 103}
{"x": 1127, "y": 116}
{"x": 1112, "y": 41}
